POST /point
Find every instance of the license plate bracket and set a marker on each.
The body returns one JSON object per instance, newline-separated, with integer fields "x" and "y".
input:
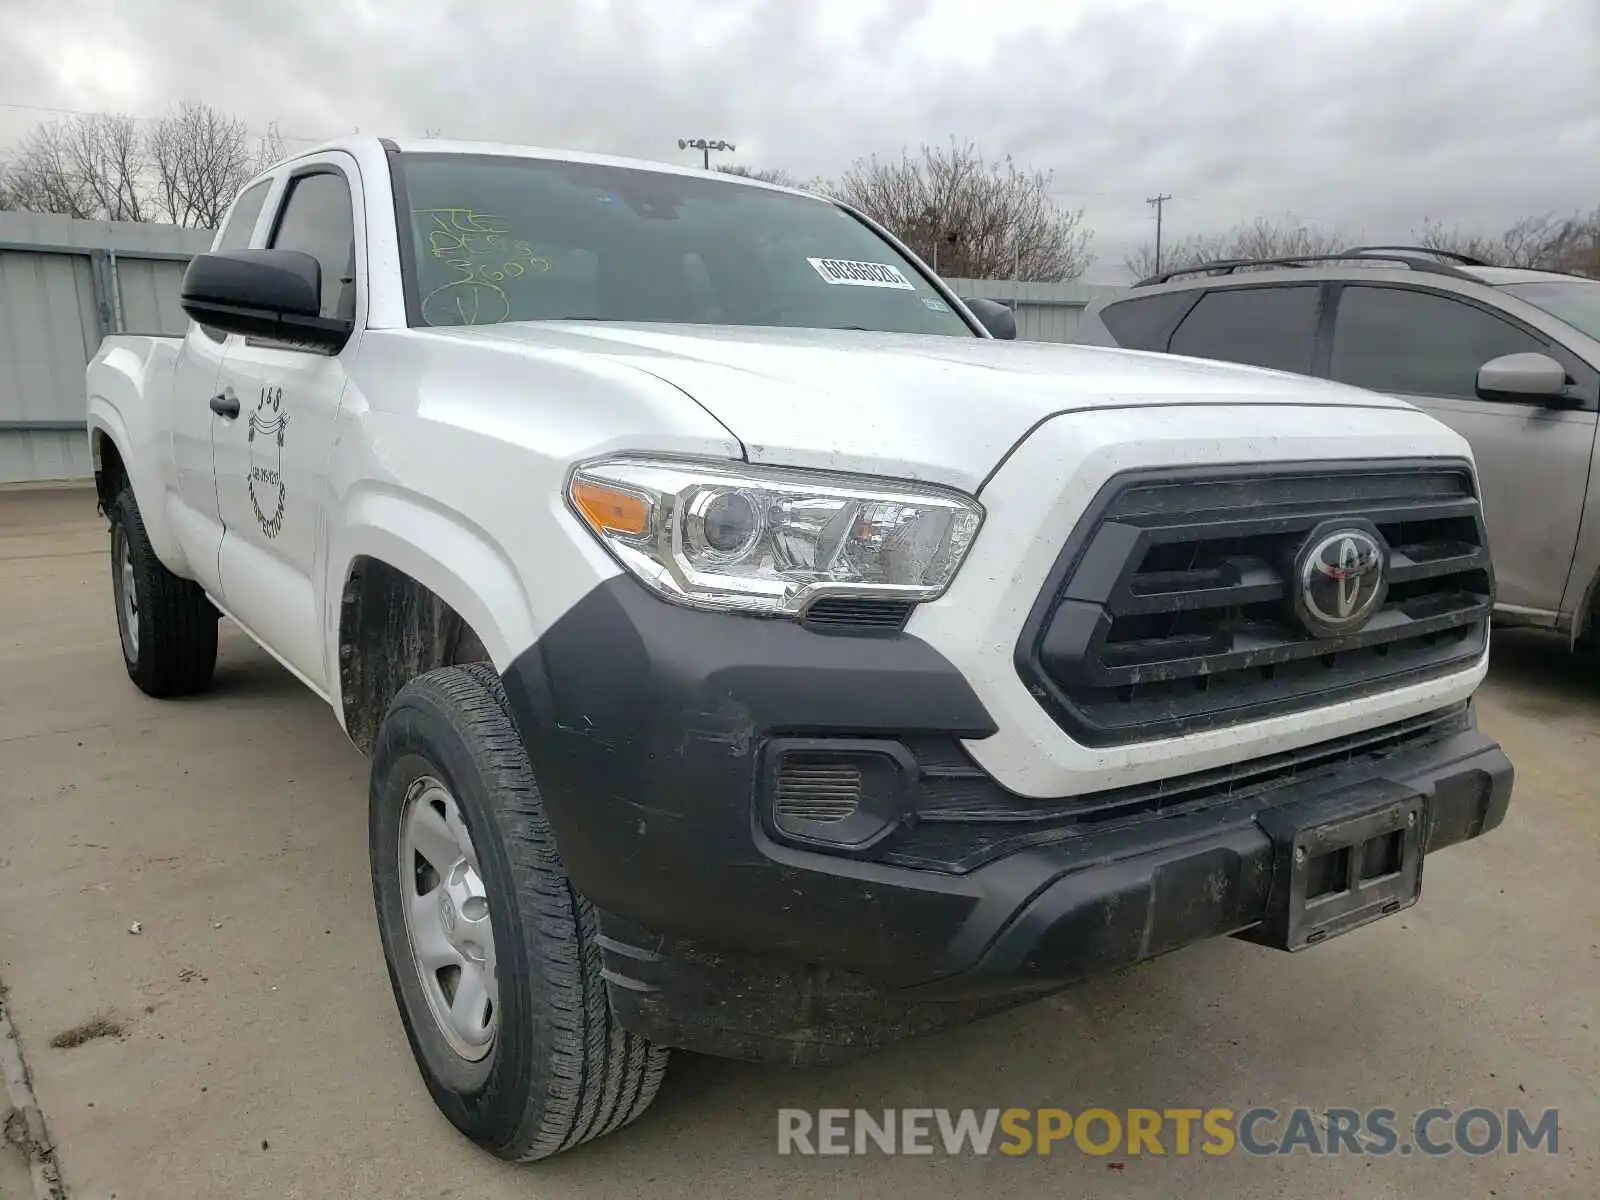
{"x": 1340, "y": 864}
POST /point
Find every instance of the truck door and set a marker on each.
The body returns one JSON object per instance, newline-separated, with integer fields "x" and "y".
{"x": 197, "y": 517}
{"x": 272, "y": 460}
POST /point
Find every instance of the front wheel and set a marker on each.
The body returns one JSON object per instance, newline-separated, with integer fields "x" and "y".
{"x": 494, "y": 957}
{"x": 167, "y": 627}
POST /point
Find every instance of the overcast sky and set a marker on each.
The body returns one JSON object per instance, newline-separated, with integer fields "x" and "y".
{"x": 1369, "y": 115}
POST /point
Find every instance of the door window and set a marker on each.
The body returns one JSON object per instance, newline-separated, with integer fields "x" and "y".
{"x": 317, "y": 219}
{"x": 1261, "y": 326}
{"x": 1419, "y": 343}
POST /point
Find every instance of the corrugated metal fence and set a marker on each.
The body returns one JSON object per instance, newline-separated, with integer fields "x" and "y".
{"x": 65, "y": 284}
{"x": 1046, "y": 312}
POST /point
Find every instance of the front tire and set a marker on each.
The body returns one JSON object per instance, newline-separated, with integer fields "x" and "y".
{"x": 493, "y": 956}
{"x": 167, "y": 627}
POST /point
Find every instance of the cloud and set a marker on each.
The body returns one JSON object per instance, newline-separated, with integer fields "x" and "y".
{"x": 1369, "y": 115}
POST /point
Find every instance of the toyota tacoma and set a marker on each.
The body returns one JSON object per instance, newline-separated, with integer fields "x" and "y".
{"x": 757, "y": 650}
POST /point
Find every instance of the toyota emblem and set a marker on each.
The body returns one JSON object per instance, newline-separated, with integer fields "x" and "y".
{"x": 1341, "y": 576}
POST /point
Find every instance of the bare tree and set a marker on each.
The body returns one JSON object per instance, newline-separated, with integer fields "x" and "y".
{"x": 775, "y": 175}
{"x": 44, "y": 174}
{"x": 201, "y": 159}
{"x": 185, "y": 169}
{"x": 1524, "y": 244}
{"x": 1576, "y": 246}
{"x": 1262, "y": 237}
{"x": 88, "y": 166}
{"x": 1547, "y": 243}
{"x": 108, "y": 155}
{"x": 970, "y": 218}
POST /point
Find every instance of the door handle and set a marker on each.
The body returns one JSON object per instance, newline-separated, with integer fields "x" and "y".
{"x": 225, "y": 404}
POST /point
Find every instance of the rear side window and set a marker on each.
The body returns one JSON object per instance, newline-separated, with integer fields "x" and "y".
{"x": 1261, "y": 326}
{"x": 1142, "y": 324}
{"x": 242, "y": 220}
{"x": 236, "y": 233}
{"x": 1418, "y": 343}
{"x": 316, "y": 218}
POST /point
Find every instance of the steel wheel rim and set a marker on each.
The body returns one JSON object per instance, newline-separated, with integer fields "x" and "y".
{"x": 447, "y": 925}
{"x": 127, "y": 594}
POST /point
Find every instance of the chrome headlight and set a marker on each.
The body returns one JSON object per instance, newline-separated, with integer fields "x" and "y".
{"x": 771, "y": 541}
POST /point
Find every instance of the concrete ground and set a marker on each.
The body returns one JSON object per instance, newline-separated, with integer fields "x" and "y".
{"x": 260, "y": 1053}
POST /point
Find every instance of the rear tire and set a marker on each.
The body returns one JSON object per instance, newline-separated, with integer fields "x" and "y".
{"x": 167, "y": 627}
{"x": 1586, "y": 646}
{"x": 450, "y": 776}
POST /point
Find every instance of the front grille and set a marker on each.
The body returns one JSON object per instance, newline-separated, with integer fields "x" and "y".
{"x": 1171, "y": 608}
{"x": 964, "y": 819}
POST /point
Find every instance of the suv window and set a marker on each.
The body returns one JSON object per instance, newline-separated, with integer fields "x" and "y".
{"x": 1575, "y": 301}
{"x": 1261, "y": 326}
{"x": 1418, "y": 343}
{"x": 316, "y": 218}
{"x": 1142, "y": 324}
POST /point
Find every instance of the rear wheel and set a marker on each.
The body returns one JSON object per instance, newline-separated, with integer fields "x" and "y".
{"x": 493, "y": 956}
{"x": 167, "y": 627}
{"x": 1586, "y": 645}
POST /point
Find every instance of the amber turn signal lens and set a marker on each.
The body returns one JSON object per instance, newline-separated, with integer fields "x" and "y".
{"x": 610, "y": 510}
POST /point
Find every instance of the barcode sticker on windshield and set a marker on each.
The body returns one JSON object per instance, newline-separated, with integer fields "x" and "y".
{"x": 861, "y": 274}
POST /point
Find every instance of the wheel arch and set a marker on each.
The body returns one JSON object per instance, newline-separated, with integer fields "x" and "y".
{"x": 110, "y": 467}
{"x": 418, "y": 588}
{"x": 135, "y": 457}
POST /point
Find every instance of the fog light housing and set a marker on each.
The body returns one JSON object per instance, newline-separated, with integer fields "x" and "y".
{"x": 839, "y": 794}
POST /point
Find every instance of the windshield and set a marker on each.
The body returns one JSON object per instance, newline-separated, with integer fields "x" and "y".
{"x": 496, "y": 238}
{"x": 1577, "y": 302}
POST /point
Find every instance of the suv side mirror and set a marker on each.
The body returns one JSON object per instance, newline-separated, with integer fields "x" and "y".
{"x": 274, "y": 294}
{"x": 1535, "y": 378}
{"x": 999, "y": 320}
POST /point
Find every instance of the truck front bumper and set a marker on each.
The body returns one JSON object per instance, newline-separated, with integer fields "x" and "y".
{"x": 732, "y": 924}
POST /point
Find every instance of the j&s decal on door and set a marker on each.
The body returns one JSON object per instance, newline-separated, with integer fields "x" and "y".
{"x": 268, "y": 424}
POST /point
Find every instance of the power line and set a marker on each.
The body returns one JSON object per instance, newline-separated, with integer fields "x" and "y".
{"x": 65, "y": 112}
{"x": 84, "y": 112}
{"x": 1116, "y": 195}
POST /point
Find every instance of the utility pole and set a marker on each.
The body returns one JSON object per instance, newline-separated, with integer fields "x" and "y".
{"x": 705, "y": 146}
{"x": 1158, "y": 202}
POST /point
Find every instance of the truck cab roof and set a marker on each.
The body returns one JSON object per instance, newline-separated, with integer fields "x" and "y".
{"x": 364, "y": 146}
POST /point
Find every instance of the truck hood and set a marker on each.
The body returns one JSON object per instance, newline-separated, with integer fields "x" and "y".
{"x": 943, "y": 409}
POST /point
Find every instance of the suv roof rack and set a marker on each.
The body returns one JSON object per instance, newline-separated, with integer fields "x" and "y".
{"x": 1406, "y": 256}
{"x": 1466, "y": 260}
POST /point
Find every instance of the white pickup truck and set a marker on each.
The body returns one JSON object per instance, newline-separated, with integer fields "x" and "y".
{"x": 755, "y": 653}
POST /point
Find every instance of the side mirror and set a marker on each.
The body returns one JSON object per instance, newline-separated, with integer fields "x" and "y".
{"x": 1535, "y": 378}
{"x": 999, "y": 320}
{"x": 273, "y": 294}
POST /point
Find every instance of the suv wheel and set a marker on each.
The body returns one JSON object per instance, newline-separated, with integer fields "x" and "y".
{"x": 493, "y": 956}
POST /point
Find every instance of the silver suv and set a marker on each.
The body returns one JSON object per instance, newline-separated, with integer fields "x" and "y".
{"x": 1508, "y": 358}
